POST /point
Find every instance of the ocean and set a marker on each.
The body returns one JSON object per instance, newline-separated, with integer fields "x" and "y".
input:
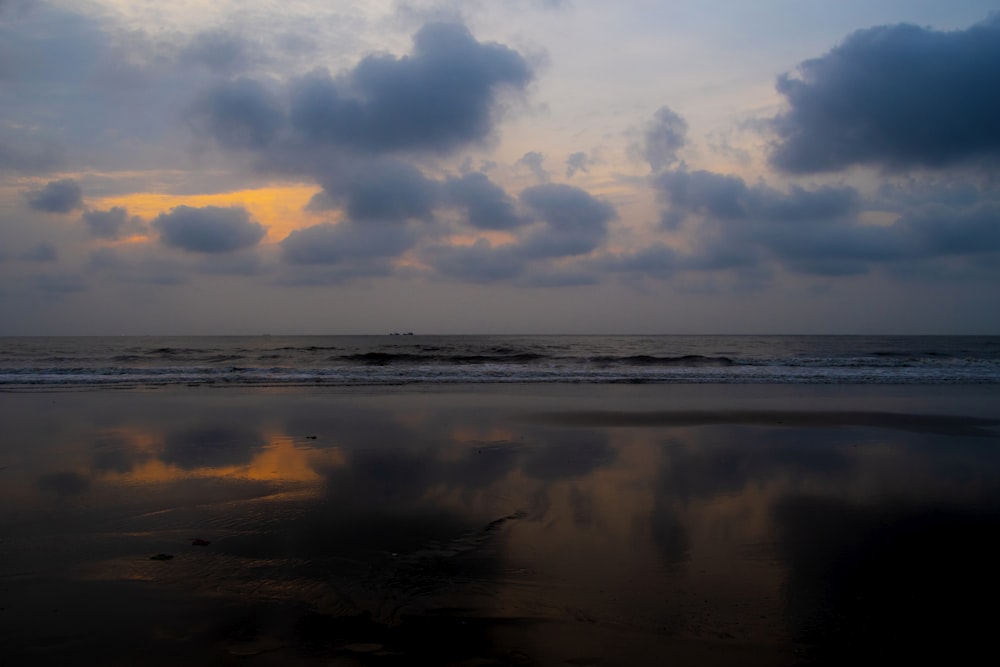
{"x": 147, "y": 361}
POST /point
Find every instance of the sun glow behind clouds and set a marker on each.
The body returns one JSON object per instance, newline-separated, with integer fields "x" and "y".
{"x": 279, "y": 208}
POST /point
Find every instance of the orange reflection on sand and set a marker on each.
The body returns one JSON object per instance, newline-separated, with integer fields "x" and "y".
{"x": 282, "y": 459}
{"x": 280, "y": 208}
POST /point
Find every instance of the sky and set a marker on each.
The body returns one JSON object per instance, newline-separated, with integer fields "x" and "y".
{"x": 511, "y": 166}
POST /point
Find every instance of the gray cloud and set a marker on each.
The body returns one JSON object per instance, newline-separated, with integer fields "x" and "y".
{"x": 534, "y": 161}
{"x": 575, "y": 223}
{"x": 894, "y": 96}
{"x": 730, "y": 198}
{"x": 658, "y": 260}
{"x": 60, "y": 285}
{"x": 43, "y": 252}
{"x": 437, "y": 99}
{"x": 950, "y": 230}
{"x": 809, "y": 231}
{"x": 115, "y": 223}
{"x": 568, "y": 222}
{"x": 326, "y": 243}
{"x": 19, "y": 155}
{"x": 577, "y": 162}
{"x": 820, "y": 231}
{"x": 60, "y": 196}
{"x": 384, "y": 189}
{"x": 480, "y": 262}
{"x": 209, "y": 229}
{"x": 486, "y": 204}
{"x": 663, "y": 137}
{"x": 240, "y": 114}
{"x": 220, "y": 51}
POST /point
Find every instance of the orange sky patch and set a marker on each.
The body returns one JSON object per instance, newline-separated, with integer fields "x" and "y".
{"x": 280, "y": 208}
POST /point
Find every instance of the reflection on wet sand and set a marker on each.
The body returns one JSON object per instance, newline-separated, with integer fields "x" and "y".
{"x": 492, "y": 527}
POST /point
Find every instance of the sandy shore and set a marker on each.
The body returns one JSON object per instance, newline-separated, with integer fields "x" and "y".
{"x": 583, "y": 525}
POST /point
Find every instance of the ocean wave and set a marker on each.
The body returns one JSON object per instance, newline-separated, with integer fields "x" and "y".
{"x": 376, "y": 360}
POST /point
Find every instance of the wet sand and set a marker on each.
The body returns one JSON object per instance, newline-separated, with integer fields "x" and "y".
{"x": 548, "y": 525}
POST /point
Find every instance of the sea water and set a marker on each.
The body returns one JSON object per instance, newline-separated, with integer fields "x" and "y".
{"x": 126, "y": 361}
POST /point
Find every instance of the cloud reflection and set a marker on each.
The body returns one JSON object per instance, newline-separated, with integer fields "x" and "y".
{"x": 385, "y": 513}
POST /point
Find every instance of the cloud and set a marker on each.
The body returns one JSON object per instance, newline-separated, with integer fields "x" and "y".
{"x": 658, "y": 260}
{"x": 437, "y": 99}
{"x": 577, "y": 162}
{"x": 663, "y": 137}
{"x": 951, "y": 230}
{"x": 808, "y": 231}
{"x": 486, "y": 204}
{"x": 821, "y": 231}
{"x": 60, "y": 285}
{"x": 209, "y": 229}
{"x": 23, "y": 156}
{"x": 60, "y": 196}
{"x": 326, "y": 243}
{"x": 480, "y": 262}
{"x": 575, "y": 222}
{"x": 897, "y": 97}
{"x": 533, "y": 161}
{"x": 239, "y": 114}
{"x": 43, "y": 252}
{"x": 112, "y": 224}
{"x": 560, "y": 221}
{"x": 220, "y": 51}
{"x": 384, "y": 189}
{"x": 730, "y": 198}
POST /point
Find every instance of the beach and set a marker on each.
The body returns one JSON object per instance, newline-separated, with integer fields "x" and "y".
{"x": 498, "y": 524}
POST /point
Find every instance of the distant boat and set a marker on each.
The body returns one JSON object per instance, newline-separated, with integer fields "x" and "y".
{"x": 396, "y": 333}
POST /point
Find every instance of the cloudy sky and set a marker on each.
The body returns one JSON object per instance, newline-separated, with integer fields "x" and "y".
{"x": 504, "y": 166}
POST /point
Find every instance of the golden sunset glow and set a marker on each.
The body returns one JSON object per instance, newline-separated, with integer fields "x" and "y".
{"x": 280, "y": 208}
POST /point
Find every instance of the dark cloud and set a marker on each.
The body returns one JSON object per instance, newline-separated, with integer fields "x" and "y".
{"x": 894, "y": 96}
{"x": 220, "y": 51}
{"x": 115, "y": 223}
{"x": 659, "y": 260}
{"x": 577, "y": 162}
{"x": 534, "y": 161}
{"x": 437, "y": 99}
{"x": 59, "y": 285}
{"x": 381, "y": 190}
{"x": 729, "y": 198}
{"x": 480, "y": 262}
{"x": 947, "y": 230}
{"x": 486, "y": 204}
{"x": 665, "y": 135}
{"x": 809, "y": 231}
{"x": 562, "y": 275}
{"x": 567, "y": 222}
{"x": 820, "y": 231}
{"x": 27, "y": 157}
{"x": 209, "y": 229}
{"x": 575, "y": 223}
{"x": 346, "y": 242}
{"x": 43, "y": 252}
{"x": 236, "y": 264}
{"x": 106, "y": 259}
{"x": 240, "y": 114}
{"x": 60, "y": 196}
